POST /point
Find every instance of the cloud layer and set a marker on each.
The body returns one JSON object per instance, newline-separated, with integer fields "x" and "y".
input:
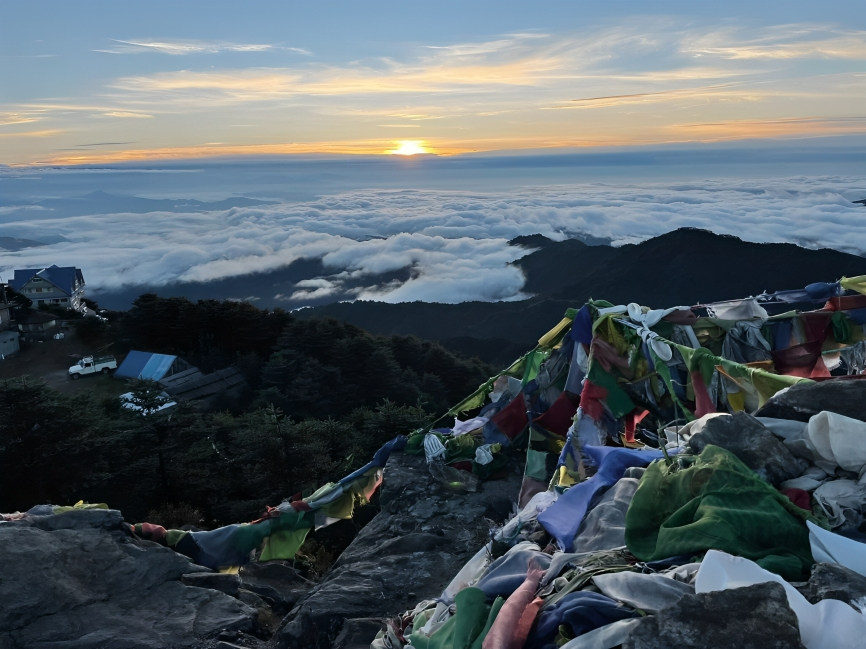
{"x": 455, "y": 243}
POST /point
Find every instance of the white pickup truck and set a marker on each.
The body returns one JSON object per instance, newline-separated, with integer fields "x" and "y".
{"x": 92, "y": 365}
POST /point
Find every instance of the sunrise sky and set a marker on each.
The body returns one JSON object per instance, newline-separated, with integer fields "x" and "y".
{"x": 100, "y": 82}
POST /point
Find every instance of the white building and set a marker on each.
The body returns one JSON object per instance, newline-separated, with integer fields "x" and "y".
{"x": 52, "y": 285}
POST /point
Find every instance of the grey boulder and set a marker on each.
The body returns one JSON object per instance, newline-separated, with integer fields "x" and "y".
{"x": 800, "y": 402}
{"x": 276, "y": 582}
{"x": 79, "y": 581}
{"x": 410, "y": 551}
{"x": 228, "y": 584}
{"x": 832, "y": 581}
{"x": 754, "y": 617}
{"x": 752, "y": 443}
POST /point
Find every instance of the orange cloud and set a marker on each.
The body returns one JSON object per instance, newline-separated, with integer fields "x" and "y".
{"x": 663, "y": 134}
{"x": 368, "y": 147}
{"x": 45, "y": 133}
{"x": 775, "y": 128}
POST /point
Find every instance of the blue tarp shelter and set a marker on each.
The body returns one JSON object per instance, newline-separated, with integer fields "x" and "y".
{"x": 145, "y": 365}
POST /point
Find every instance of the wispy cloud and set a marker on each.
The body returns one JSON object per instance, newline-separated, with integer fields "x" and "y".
{"x": 126, "y": 114}
{"x": 642, "y": 97}
{"x": 182, "y": 47}
{"x": 647, "y": 81}
{"x": 523, "y": 61}
{"x": 43, "y": 133}
{"x": 10, "y": 119}
{"x": 769, "y": 128}
{"x": 780, "y": 43}
{"x": 517, "y": 61}
{"x": 347, "y": 147}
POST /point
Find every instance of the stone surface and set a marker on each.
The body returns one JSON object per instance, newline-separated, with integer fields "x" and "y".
{"x": 79, "y": 581}
{"x": 755, "y": 617}
{"x": 832, "y": 581}
{"x": 357, "y": 633}
{"x": 410, "y": 551}
{"x": 753, "y": 444}
{"x": 280, "y": 585}
{"x": 228, "y": 584}
{"x": 268, "y": 620}
{"x": 800, "y": 402}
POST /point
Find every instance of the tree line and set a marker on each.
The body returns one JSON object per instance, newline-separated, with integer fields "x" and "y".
{"x": 322, "y": 397}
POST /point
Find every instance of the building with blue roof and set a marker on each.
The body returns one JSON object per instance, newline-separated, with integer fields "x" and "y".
{"x": 147, "y": 365}
{"x": 52, "y": 285}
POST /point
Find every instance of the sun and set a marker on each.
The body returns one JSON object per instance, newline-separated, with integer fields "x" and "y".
{"x": 409, "y": 147}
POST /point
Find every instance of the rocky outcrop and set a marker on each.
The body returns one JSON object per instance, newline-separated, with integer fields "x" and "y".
{"x": 228, "y": 584}
{"x": 752, "y": 443}
{"x": 276, "y": 583}
{"x": 844, "y": 396}
{"x": 755, "y": 617}
{"x": 79, "y": 581}
{"x": 411, "y": 550}
{"x": 832, "y": 581}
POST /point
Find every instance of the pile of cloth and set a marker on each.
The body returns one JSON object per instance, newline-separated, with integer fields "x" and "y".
{"x": 650, "y": 529}
{"x": 648, "y": 485}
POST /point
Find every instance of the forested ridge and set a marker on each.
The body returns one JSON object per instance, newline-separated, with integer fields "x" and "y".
{"x": 322, "y": 397}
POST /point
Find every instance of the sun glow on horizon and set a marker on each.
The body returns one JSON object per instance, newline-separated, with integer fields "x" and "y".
{"x": 409, "y": 147}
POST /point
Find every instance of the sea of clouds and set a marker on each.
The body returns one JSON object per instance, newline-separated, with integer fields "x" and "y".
{"x": 454, "y": 242}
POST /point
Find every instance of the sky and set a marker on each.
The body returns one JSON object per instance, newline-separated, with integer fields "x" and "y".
{"x": 105, "y": 82}
{"x": 618, "y": 120}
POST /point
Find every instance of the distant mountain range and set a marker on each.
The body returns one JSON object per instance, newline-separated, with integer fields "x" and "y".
{"x": 683, "y": 267}
{"x": 13, "y": 244}
{"x": 100, "y": 202}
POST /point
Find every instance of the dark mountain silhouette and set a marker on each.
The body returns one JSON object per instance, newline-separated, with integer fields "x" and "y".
{"x": 14, "y": 244}
{"x": 684, "y": 267}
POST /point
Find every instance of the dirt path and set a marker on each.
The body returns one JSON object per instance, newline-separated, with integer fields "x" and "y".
{"x": 50, "y": 361}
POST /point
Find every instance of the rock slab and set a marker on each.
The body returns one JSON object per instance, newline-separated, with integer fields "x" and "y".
{"x": 754, "y": 617}
{"x": 78, "y": 581}
{"x": 410, "y": 551}
{"x": 228, "y": 584}
{"x": 832, "y": 581}
{"x": 276, "y": 582}
{"x": 800, "y": 402}
{"x": 752, "y": 443}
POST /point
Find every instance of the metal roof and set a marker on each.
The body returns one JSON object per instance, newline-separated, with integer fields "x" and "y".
{"x": 63, "y": 278}
{"x": 145, "y": 365}
{"x": 192, "y": 384}
{"x": 32, "y": 316}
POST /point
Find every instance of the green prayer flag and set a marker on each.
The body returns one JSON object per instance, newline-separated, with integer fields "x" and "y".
{"x": 718, "y": 503}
